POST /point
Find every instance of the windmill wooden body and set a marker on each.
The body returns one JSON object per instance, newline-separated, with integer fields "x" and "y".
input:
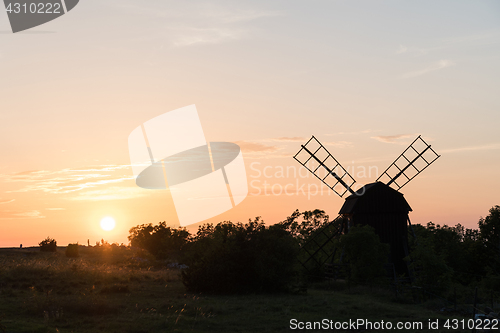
{"x": 378, "y": 204}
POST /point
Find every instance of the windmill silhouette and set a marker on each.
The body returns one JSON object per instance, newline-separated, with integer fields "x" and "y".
{"x": 378, "y": 204}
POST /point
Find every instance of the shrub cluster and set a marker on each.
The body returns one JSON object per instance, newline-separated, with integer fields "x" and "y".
{"x": 443, "y": 255}
{"x": 48, "y": 245}
{"x": 315, "y": 235}
{"x": 365, "y": 253}
{"x": 160, "y": 240}
{"x": 240, "y": 258}
{"x": 72, "y": 250}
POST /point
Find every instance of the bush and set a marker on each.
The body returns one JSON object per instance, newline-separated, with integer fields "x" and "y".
{"x": 303, "y": 225}
{"x": 365, "y": 253}
{"x": 72, "y": 250}
{"x": 237, "y": 258}
{"x": 431, "y": 270}
{"x": 489, "y": 232}
{"x": 48, "y": 245}
{"x": 316, "y": 235}
{"x": 161, "y": 241}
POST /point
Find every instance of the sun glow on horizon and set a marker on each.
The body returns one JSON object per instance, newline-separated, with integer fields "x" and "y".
{"x": 108, "y": 223}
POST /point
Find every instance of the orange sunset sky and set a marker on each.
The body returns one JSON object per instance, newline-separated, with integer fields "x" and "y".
{"x": 364, "y": 77}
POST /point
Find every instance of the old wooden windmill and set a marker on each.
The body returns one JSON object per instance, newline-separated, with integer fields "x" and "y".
{"x": 379, "y": 204}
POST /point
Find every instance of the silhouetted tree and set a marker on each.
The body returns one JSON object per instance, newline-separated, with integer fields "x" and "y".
{"x": 365, "y": 253}
{"x": 160, "y": 240}
{"x": 430, "y": 267}
{"x": 489, "y": 234}
{"x": 444, "y": 254}
{"x": 240, "y": 258}
{"x": 72, "y": 250}
{"x": 302, "y": 225}
{"x": 304, "y": 228}
{"x": 48, "y": 245}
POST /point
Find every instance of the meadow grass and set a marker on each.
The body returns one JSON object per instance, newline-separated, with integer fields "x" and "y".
{"x": 113, "y": 290}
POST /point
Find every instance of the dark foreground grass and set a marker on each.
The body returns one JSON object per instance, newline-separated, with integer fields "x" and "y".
{"x": 114, "y": 291}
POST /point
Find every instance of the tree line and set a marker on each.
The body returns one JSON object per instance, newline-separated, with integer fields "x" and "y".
{"x": 237, "y": 257}
{"x": 445, "y": 256}
{"x": 254, "y": 257}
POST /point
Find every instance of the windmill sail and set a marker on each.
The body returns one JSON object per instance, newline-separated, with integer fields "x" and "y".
{"x": 415, "y": 159}
{"x": 316, "y": 249}
{"x": 316, "y": 158}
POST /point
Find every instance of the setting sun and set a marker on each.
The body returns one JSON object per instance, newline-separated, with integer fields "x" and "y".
{"x": 108, "y": 223}
{"x": 181, "y": 165}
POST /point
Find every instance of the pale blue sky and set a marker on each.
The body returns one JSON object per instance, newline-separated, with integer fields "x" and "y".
{"x": 349, "y": 72}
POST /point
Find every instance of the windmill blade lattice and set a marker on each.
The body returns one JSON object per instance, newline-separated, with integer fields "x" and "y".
{"x": 415, "y": 159}
{"x": 316, "y": 158}
{"x": 319, "y": 248}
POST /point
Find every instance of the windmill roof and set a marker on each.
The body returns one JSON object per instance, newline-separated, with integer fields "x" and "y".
{"x": 375, "y": 198}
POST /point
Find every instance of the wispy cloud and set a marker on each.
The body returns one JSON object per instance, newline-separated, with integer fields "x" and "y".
{"x": 68, "y": 180}
{"x": 211, "y": 24}
{"x": 492, "y": 146}
{"x": 191, "y": 36}
{"x": 465, "y": 41}
{"x": 241, "y": 15}
{"x": 33, "y": 214}
{"x": 283, "y": 149}
{"x": 402, "y": 49}
{"x": 16, "y": 215}
{"x": 257, "y": 150}
{"x": 411, "y": 50}
{"x": 112, "y": 193}
{"x": 255, "y": 147}
{"x": 353, "y": 132}
{"x": 434, "y": 67}
{"x": 339, "y": 144}
{"x": 290, "y": 139}
{"x": 478, "y": 39}
{"x": 55, "y": 209}
{"x": 397, "y": 139}
{"x": 195, "y": 22}
{"x": 3, "y": 202}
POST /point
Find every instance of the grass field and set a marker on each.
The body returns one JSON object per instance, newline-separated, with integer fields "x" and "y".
{"x": 113, "y": 290}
